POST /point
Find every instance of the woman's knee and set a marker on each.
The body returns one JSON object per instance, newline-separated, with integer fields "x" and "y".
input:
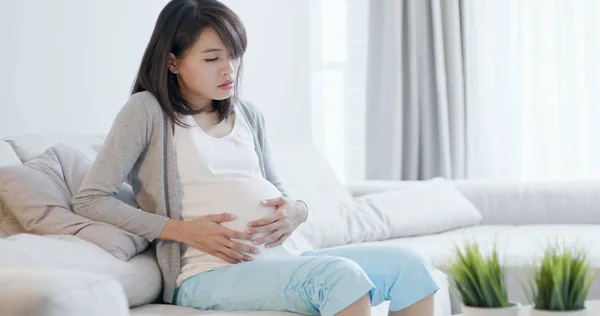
{"x": 344, "y": 282}
{"x": 340, "y": 274}
{"x": 343, "y": 268}
{"x": 405, "y": 260}
{"x": 413, "y": 276}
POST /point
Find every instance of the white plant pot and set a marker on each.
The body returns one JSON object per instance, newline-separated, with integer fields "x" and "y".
{"x": 512, "y": 310}
{"x": 537, "y": 312}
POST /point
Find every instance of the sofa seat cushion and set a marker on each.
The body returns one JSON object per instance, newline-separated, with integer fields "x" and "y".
{"x": 518, "y": 247}
{"x": 58, "y": 292}
{"x": 172, "y": 310}
{"x": 140, "y": 276}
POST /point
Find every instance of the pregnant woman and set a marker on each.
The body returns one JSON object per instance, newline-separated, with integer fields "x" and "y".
{"x": 210, "y": 201}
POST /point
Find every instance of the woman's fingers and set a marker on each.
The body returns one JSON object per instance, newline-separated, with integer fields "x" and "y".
{"x": 273, "y": 202}
{"x": 225, "y": 257}
{"x": 220, "y": 218}
{"x": 242, "y": 247}
{"x": 263, "y": 229}
{"x": 235, "y": 234}
{"x": 269, "y": 238}
{"x": 272, "y": 217}
{"x": 237, "y": 247}
{"x": 279, "y": 241}
{"x": 235, "y": 255}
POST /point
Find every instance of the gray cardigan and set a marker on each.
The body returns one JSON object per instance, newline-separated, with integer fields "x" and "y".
{"x": 140, "y": 149}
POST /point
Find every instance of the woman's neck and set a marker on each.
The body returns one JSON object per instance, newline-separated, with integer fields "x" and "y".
{"x": 196, "y": 102}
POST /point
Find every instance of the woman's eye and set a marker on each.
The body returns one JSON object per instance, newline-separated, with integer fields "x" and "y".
{"x": 213, "y": 59}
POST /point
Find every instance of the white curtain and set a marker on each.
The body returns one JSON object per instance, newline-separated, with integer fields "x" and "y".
{"x": 415, "y": 91}
{"x": 532, "y": 89}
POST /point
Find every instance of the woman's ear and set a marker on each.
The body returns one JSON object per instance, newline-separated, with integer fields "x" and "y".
{"x": 173, "y": 67}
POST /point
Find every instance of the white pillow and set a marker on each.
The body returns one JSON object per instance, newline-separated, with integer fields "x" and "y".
{"x": 430, "y": 207}
{"x": 336, "y": 218}
{"x": 58, "y": 292}
{"x": 306, "y": 175}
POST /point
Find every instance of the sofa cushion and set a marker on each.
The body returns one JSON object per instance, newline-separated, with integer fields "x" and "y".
{"x": 38, "y": 194}
{"x": 173, "y": 310}
{"x": 140, "y": 276}
{"x": 28, "y": 147}
{"x": 52, "y": 292}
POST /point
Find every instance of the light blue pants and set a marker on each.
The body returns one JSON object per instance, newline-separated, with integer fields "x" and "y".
{"x": 318, "y": 282}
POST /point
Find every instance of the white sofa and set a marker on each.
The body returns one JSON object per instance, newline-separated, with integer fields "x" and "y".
{"x": 518, "y": 217}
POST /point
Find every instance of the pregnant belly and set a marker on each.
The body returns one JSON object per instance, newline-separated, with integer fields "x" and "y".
{"x": 240, "y": 197}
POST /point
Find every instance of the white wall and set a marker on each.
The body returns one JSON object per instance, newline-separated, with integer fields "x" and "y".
{"x": 277, "y": 66}
{"x": 67, "y": 65}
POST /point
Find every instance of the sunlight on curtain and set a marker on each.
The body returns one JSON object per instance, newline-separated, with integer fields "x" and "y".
{"x": 533, "y": 89}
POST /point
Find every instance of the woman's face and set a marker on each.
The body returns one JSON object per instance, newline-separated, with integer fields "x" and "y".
{"x": 206, "y": 71}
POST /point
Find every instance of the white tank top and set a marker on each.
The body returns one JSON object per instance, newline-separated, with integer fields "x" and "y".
{"x": 221, "y": 175}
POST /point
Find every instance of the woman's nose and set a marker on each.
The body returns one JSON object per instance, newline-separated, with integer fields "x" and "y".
{"x": 228, "y": 68}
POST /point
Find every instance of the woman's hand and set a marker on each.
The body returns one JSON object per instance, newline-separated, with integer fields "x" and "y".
{"x": 206, "y": 234}
{"x": 288, "y": 215}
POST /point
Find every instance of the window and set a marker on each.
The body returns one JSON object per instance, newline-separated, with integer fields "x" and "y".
{"x": 338, "y": 75}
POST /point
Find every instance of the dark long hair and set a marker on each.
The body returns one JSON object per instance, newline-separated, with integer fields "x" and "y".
{"x": 177, "y": 28}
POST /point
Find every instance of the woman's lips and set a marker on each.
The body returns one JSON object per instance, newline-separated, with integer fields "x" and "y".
{"x": 227, "y": 86}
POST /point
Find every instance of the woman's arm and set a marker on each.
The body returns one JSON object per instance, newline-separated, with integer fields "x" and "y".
{"x": 96, "y": 199}
{"x": 270, "y": 173}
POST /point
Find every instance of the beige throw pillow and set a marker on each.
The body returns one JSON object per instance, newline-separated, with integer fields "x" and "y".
{"x": 38, "y": 194}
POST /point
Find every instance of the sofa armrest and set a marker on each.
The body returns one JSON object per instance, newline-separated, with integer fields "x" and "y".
{"x": 59, "y": 292}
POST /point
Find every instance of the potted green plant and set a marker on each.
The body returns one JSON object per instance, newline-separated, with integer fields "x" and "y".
{"x": 559, "y": 285}
{"x": 479, "y": 281}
